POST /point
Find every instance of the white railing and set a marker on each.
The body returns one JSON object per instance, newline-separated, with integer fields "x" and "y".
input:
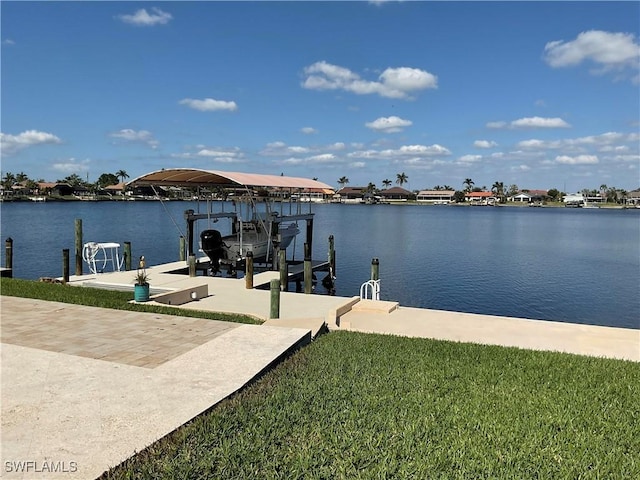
{"x": 371, "y": 289}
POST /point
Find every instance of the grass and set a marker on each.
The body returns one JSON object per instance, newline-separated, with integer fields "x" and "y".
{"x": 95, "y": 297}
{"x": 371, "y": 406}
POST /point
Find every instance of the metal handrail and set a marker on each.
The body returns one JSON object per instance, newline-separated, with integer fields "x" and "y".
{"x": 373, "y": 286}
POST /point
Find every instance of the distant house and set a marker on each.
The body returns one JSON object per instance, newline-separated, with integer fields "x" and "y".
{"x": 396, "y": 193}
{"x": 436, "y": 196}
{"x": 317, "y": 195}
{"x": 633, "y": 198}
{"x": 529, "y": 196}
{"x": 573, "y": 200}
{"x": 480, "y": 198}
{"x": 117, "y": 189}
{"x": 52, "y": 188}
{"x": 351, "y": 194}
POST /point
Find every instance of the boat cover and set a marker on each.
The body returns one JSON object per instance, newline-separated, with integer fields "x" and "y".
{"x": 200, "y": 177}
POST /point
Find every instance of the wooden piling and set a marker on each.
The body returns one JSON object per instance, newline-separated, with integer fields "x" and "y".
{"x": 375, "y": 269}
{"x": 332, "y": 256}
{"x": 274, "y": 311}
{"x": 248, "y": 275}
{"x": 192, "y": 265}
{"x": 127, "y": 256}
{"x": 65, "y": 265}
{"x": 308, "y": 270}
{"x": 8, "y": 256}
{"x": 284, "y": 272}
{"x": 183, "y": 246}
{"x": 78, "y": 245}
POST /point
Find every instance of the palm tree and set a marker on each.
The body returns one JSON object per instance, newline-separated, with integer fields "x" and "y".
{"x": 386, "y": 182}
{"x": 448, "y": 187}
{"x": 402, "y": 178}
{"x": 342, "y": 181}
{"x": 371, "y": 188}
{"x": 8, "y": 180}
{"x": 121, "y": 174}
{"x": 438, "y": 188}
{"x": 498, "y": 189}
{"x": 469, "y": 183}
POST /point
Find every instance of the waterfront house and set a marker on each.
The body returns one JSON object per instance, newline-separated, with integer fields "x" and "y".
{"x": 480, "y": 198}
{"x": 436, "y": 196}
{"x": 633, "y": 198}
{"x": 117, "y": 189}
{"x": 573, "y": 200}
{"x": 396, "y": 194}
{"x": 58, "y": 189}
{"x": 318, "y": 195}
{"x": 529, "y": 196}
{"x": 351, "y": 194}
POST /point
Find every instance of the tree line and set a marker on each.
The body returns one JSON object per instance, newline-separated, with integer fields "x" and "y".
{"x": 106, "y": 179}
{"x": 499, "y": 189}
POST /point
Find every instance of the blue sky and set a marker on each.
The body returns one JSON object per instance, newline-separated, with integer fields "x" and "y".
{"x": 536, "y": 94}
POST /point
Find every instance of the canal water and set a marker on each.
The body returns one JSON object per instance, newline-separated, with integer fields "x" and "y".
{"x": 561, "y": 264}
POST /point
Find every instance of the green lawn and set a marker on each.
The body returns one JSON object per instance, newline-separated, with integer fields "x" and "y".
{"x": 370, "y": 406}
{"x": 103, "y": 298}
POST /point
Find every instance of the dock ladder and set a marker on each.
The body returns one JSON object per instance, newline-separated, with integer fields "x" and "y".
{"x": 370, "y": 288}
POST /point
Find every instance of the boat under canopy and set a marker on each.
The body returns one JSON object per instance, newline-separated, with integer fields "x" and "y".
{"x": 200, "y": 177}
{"x": 260, "y": 230}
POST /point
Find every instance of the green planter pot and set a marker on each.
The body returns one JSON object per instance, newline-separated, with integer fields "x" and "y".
{"x": 141, "y": 293}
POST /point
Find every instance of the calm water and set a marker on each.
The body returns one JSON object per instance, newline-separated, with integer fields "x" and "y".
{"x": 560, "y": 264}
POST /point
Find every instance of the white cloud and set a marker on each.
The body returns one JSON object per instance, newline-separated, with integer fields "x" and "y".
{"x": 405, "y": 151}
{"x": 209, "y": 104}
{"x": 470, "y": 158}
{"x": 308, "y": 130}
{"x": 392, "y": 83}
{"x": 11, "y": 144}
{"x": 142, "y": 18}
{"x": 389, "y": 124}
{"x": 521, "y": 168}
{"x": 539, "y": 122}
{"x": 71, "y": 166}
{"x": 8, "y": 41}
{"x": 610, "y": 51}
{"x": 282, "y": 149}
{"x": 484, "y": 144}
{"x": 140, "y": 136}
{"x": 608, "y": 141}
{"x": 577, "y": 160}
{"x": 531, "y": 122}
{"x": 215, "y": 154}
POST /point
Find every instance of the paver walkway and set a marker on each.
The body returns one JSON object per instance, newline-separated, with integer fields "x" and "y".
{"x": 84, "y": 388}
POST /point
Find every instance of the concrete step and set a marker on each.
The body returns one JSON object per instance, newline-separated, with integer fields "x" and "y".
{"x": 375, "y": 306}
{"x": 314, "y": 325}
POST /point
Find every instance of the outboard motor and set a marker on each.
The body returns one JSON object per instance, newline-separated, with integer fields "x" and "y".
{"x": 212, "y": 244}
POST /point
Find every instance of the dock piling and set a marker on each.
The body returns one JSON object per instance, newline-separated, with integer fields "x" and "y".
{"x": 284, "y": 270}
{"x": 308, "y": 269}
{"x": 274, "y": 311}
{"x": 375, "y": 269}
{"x": 127, "y": 256}
{"x": 332, "y": 256}
{"x": 78, "y": 245}
{"x": 8, "y": 256}
{"x": 248, "y": 276}
{"x": 65, "y": 265}
{"x": 192, "y": 265}
{"x": 183, "y": 246}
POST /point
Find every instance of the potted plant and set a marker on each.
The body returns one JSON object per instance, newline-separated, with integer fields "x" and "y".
{"x": 141, "y": 287}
